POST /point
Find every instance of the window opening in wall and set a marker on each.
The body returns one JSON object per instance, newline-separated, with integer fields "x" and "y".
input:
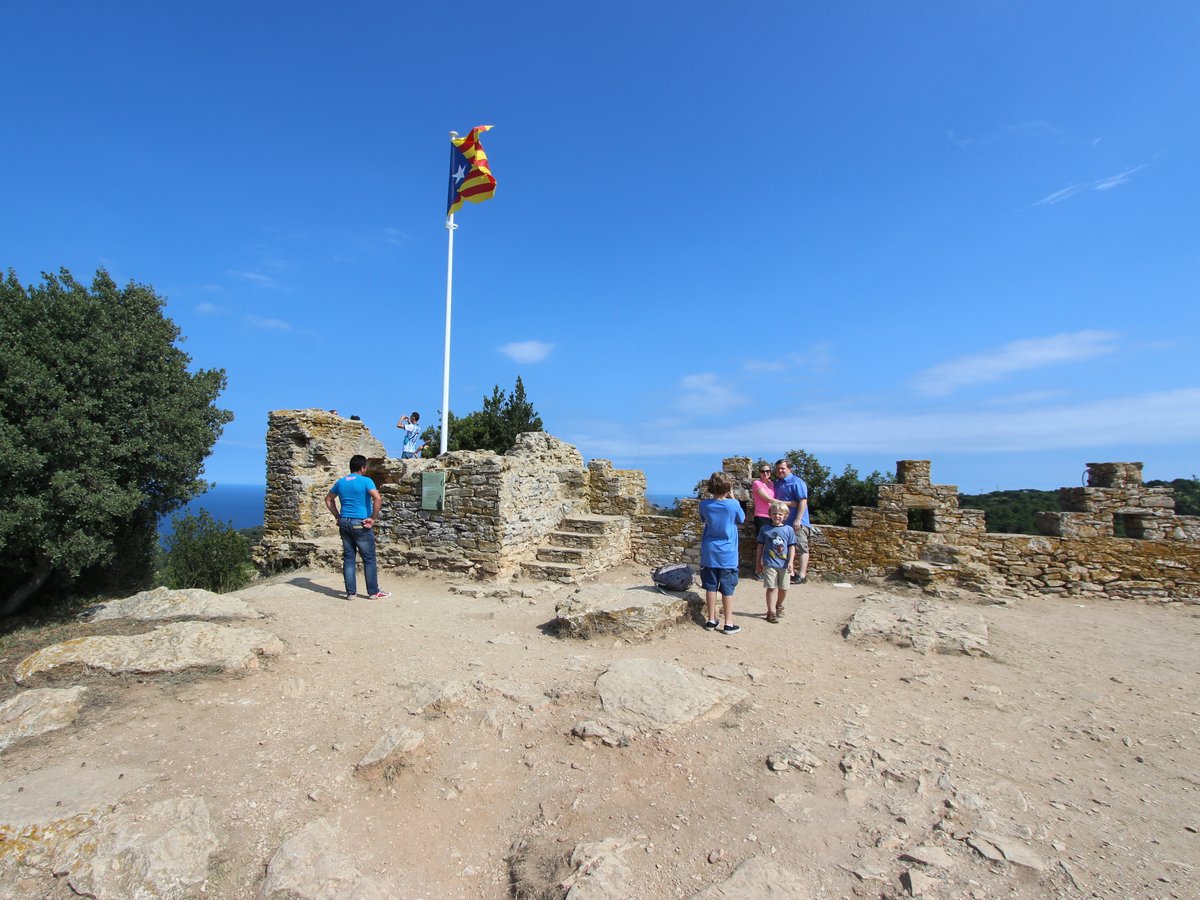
{"x": 1129, "y": 525}
{"x": 920, "y": 520}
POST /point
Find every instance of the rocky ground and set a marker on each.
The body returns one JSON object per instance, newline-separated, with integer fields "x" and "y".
{"x": 877, "y": 742}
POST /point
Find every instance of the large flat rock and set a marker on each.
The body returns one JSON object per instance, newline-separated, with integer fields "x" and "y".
{"x": 164, "y": 603}
{"x": 35, "y": 712}
{"x": 161, "y": 851}
{"x": 651, "y": 695}
{"x": 169, "y": 648}
{"x": 927, "y": 626}
{"x": 631, "y": 612}
{"x": 757, "y": 878}
{"x": 313, "y": 865}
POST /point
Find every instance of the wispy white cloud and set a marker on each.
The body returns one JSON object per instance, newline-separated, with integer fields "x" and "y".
{"x": 1015, "y": 356}
{"x": 1100, "y": 184}
{"x": 257, "y": 278}
{"x": 1027, "y": 397}
{"x": 395, "y": 236}
{"x": 267, "y": 324}
{"x": 779, "y": 364}
{"x": 210, "y": 309}
{"x": 1149, "y": 419}
{"x": 1031, "y": 130}
{"x": 817, "y": 357}
{"x": 526, "y": 351}
{"x": 708, "y": 395}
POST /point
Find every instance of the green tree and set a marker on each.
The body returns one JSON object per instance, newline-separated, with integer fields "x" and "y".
{"x": 103, "y": 430}
{"x": 809, "y": 468}
{"x": 205, "y": 553}
{"x": 495, "y": 427}
{"x": 834, "y": 503}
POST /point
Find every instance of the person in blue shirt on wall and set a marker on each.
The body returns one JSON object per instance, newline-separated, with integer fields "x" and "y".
{"x": 360, "y": 505}
{"x": 792, "y": 490}
{"x": 719, "y": 551}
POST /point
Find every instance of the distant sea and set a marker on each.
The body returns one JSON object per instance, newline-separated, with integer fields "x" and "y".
{"x": 239, "y": 504}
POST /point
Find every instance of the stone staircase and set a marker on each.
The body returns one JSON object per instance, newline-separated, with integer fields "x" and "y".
{"x": 583, "y": 545}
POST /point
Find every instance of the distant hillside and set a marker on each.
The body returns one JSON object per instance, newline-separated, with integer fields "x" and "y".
{"x": 1011, "y": 512}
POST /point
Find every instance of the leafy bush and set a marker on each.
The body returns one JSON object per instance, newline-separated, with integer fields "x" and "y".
{"x": 205, "y": 553}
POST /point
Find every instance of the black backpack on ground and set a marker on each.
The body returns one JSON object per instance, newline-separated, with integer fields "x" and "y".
{"x": 673, "y": 577}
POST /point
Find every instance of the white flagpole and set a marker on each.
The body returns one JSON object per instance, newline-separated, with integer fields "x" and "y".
{"x": 450, "y": 227}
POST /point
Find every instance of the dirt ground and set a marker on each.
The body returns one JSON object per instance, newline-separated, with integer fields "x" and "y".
{"x": 1078, "y": 740}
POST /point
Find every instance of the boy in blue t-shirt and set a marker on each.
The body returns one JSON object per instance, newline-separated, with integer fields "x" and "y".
{"x": 776, "y": 559}
{"x": 719, "y": 551}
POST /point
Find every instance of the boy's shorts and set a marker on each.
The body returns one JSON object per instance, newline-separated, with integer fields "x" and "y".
{"x": 802, "y": 534}
{"x": 775, "y": 578}
{"x": 721, "y": 580}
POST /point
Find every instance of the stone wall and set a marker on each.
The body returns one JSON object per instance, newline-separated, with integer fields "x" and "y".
{"x": 919, "y": 531}
{"x": 306, "y": 453}
{"x": 499, "y": 509}
{"x": 615, "y": 492}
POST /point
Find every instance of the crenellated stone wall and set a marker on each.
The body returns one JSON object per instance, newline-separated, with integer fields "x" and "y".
{"x": 499, "y": 509}
{"x": 615, "y": 492}
{"x": 918, "y": 531}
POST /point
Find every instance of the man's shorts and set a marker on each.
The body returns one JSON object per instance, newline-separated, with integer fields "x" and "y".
{"x": 775, "y": 578}
{"x": 802, "y": 534}
{"x": 721, "y": 580}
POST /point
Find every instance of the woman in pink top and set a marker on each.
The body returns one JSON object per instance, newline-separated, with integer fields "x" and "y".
{"x": 764, "y": 493}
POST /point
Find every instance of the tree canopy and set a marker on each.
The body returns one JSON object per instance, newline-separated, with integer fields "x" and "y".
{"x": 494, "y": 427}
{"x": 103, "y": 430}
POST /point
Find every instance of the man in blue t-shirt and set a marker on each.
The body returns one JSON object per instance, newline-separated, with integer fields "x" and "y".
{"x": 360, "y": 505}
{"x": 792, "y": 490}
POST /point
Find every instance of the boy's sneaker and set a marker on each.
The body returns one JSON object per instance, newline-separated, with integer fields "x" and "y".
{"x": 350, "y": 596}
{"x": 731, "y": 629}
{"x": 711, "y": 626}
{"x": 796, "y": 579}
{"x": 379, "y": 595}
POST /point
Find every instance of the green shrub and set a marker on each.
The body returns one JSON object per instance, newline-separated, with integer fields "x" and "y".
{"x": 204, "y": 553}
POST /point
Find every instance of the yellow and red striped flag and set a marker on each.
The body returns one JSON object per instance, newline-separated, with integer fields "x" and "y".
{"x": 470, "y": 176}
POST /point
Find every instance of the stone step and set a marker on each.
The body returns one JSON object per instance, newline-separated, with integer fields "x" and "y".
{"x": 565, "y": 572}
{"x": 596, "y": 524}
{"x": 579, "y": 539}
{"x": 573, "y": 555}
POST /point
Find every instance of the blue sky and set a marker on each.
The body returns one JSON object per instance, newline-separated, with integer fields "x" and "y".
{"x": 964, "y": 231}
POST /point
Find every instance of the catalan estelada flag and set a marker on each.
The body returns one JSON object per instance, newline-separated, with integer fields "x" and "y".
{"x": 470, "y": 176}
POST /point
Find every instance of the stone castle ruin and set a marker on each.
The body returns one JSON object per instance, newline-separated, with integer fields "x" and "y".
{"x": 540, "y": 512}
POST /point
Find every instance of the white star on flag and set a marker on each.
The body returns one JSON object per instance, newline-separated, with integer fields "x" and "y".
{"x": 461, "y": 173}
